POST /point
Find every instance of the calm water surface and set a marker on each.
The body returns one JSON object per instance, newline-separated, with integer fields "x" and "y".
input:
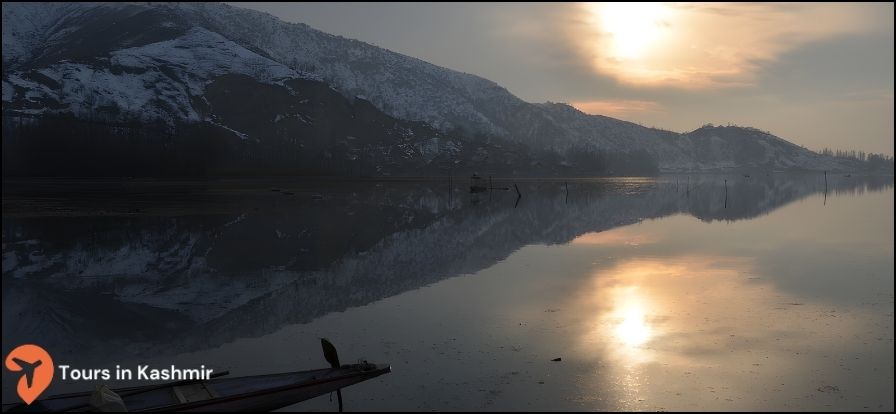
{"x": 677, "y": 293}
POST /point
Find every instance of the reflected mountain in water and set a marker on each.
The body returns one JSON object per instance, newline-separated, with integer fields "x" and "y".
{"x": 123, "y": 273}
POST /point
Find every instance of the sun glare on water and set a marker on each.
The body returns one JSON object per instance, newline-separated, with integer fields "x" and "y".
{"x": 633, "y": 330}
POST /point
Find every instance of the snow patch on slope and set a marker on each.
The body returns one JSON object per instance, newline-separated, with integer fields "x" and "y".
{"x": 402, "y": 86}
{"x": 25, "y": 26}
{"x": 155, "y": 82}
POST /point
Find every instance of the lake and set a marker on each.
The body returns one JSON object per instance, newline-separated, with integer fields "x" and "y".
{"x": 700, "y": 292}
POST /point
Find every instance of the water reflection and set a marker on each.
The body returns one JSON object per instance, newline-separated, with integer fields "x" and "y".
{"x": 201, "y": 268}
{"x": 665, "y": 325}
{"x": 212, "y": 265}
{"x": 632, "y": 329}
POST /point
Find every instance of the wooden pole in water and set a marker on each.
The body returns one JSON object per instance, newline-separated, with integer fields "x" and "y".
{"x": 566, "y": 183}
{"x": 825, "y": 188}
{"x": 450, "y": 190}
{"x": 726, "y": 193}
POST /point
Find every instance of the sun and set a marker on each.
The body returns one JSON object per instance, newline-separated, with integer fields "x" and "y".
{"x": 630, "y": 29}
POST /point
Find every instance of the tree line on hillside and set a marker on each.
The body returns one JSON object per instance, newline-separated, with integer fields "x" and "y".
{"x": 871, "y": 160}
{"x": 64, "y": 146}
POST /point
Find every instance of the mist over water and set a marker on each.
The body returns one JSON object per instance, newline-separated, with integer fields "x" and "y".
{"x": 702, "y": 292}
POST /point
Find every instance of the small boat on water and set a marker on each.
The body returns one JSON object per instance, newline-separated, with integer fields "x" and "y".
{"x": 250, "y": 393}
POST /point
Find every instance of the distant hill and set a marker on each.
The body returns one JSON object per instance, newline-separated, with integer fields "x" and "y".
{"x": 264, "y": 95}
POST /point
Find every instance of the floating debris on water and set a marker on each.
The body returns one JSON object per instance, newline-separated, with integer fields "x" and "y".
{"x": 828, "y": 389}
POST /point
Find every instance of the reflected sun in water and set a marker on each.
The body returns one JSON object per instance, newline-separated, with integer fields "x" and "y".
{"x": 622, "y": 313}
{"x": 627, "y": 322}
{"x": 657, "y": 326}
{"x": 633, "y": 330}
{"x": 639, "y": 304}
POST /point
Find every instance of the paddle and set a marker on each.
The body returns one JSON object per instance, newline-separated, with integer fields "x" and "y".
{"x": 332, "y": 357}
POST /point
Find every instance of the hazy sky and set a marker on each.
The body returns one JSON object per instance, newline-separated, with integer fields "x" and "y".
{"x": 817, "y": 74}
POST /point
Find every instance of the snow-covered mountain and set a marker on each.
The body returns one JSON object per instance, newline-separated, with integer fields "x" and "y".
{"x": 154, "y": 63}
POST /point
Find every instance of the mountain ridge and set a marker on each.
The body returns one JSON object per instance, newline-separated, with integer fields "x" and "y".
{"x": 152, "y": 62}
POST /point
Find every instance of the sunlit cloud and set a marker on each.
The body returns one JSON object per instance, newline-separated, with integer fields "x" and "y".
{"x": 702, "y": 45}
{"x": 617, "y": 108}
{"x": 817, "y": 74}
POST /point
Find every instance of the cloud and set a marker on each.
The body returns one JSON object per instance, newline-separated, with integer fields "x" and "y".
{"x": 748, "y": 64}
{"x": 702, "y": 45}
{"x": 619, "y": 108}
